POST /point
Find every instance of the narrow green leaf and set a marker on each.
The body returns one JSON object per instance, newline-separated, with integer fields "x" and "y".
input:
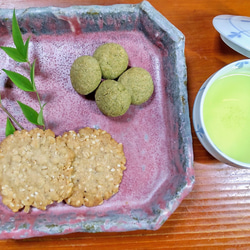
{"x": 26, "y": 48}
{"x": 14, "y": 54}
{"x": 30, "y": 114}
{"x": 32, "y": 75}
{"x": 20, "y": 81}
{"x": 10, "y": 129}
{"x": 40, "y": 119}
{"x": 17, "y": 36}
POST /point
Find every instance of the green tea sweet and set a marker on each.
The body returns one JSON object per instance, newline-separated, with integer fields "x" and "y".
{"x": 113, "y": 60}
{"x": 85, "y": 74}
{"x": 139, "y": 83}
{"x": 112, "y": 98}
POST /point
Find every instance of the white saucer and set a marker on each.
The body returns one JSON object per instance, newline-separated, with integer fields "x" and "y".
{"x": 235, "y": 32}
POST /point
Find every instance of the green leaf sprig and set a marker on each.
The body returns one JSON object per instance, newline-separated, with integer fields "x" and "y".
{"x": 20, "y": 54}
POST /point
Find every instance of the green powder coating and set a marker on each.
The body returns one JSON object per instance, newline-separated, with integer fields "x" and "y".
{"x": 113, "y": 60}
{"x": 139, "y": 83}
{"x": 112, "y": 98}
{"x": 85, "y": 74}
{"x": 226, "y": 114}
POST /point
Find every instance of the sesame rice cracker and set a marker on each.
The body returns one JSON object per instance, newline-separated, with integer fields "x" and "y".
{"x": 98, "y": 166}
{"x": 35, "y": 169}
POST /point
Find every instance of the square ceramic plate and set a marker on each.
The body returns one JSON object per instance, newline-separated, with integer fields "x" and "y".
{"x": 156, "y": 135}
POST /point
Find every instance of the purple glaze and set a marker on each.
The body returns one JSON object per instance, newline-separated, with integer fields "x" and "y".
{"x": 156, "y": 135}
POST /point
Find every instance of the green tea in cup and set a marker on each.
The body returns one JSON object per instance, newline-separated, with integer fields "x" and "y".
{"x": 226, "y": 115}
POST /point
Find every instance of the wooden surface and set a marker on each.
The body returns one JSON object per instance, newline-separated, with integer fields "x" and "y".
{"x": 216, "y": 214}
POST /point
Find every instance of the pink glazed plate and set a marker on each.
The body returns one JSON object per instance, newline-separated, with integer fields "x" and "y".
{"x": 156, "y": 135}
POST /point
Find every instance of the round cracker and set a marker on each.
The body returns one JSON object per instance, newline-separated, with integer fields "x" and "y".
{"x": 98, "y": 166}
{"x": 35, "y": 169}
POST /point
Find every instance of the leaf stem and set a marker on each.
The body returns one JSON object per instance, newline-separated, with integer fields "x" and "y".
{"x": 37, "y": 94}
{"x": 39, "y": 100}
{"x": 10, "y": 116}
{"x": 41, "y": 108}
{"x": 38, "y": 97}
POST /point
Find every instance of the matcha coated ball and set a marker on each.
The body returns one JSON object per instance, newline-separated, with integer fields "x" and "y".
{"x": 113, "y": 60}
{"x": 85, "y": 74}
{"x": 139, "y": 83}
{"x": 112, "y": 98}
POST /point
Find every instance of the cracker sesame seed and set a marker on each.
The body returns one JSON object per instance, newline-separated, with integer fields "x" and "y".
{"x": 102, "y": 157}
{"x": 27, "y": 165}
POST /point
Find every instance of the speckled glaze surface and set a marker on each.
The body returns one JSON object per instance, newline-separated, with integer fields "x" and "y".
{"x": 156, "y": 135}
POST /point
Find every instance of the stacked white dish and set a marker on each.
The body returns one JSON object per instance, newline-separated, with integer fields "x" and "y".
{"x": 235, "y": 32}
